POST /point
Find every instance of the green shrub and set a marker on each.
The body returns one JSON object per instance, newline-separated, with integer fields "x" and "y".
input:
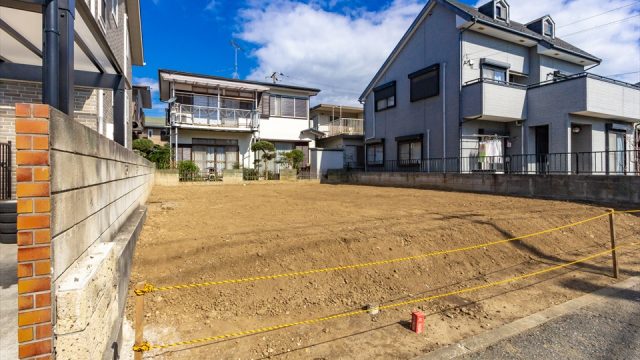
{"x": 188, "y": 170}
{"x": 293, "y": 158}
{"x": 144, "y": 146}
{"x": 161, "y": 156}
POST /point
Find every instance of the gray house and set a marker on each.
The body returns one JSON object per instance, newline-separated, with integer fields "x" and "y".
{"x": 480, "y": 92}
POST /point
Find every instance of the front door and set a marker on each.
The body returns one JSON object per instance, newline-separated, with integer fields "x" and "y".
{"x": 542, "y": 148}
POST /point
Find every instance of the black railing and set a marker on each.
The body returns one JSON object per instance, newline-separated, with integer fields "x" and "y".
{"x": 5, "y": 171}
{"x": 577, "y": 163}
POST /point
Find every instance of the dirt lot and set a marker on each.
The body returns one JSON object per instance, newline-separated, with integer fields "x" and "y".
{"x": 202, "y": 233}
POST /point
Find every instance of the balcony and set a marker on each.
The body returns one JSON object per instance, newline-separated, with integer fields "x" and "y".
{"x": 213, "y": 118}
{"x": 485, "y": 99}
{"x": 345, "y": 126}
{"x": 588, "y": 95}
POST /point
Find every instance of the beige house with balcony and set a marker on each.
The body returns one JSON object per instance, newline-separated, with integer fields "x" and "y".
{"x": 340, "y": 127}
{"x": 214, "y": 121}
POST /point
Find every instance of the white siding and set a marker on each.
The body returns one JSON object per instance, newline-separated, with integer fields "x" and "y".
{"x": 476, "y": 46}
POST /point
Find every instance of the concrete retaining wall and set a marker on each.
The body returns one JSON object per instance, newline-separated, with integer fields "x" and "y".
{"x": 80, "y": 200}
{"x": 96, "y": 186}
{"x": 613, "y": 190}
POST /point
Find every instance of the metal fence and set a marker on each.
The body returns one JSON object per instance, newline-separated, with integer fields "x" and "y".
{"x": 5, "y": 171}
{"x": 214, "y": 117}
{"x": 577, "y": 163}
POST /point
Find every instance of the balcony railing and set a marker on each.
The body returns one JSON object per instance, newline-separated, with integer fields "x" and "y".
{"x": 346, "y": 126}
{"x": 182, "y": 114}
{"x": 578, "y": 163}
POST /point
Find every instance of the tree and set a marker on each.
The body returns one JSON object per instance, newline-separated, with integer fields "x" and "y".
{"x": 294, "y": 158}
{"x": 268, "y": 152}
{"x": 161, "y": 156}
{"x": 144, "y": 146}
{"x": 158, "y": 154}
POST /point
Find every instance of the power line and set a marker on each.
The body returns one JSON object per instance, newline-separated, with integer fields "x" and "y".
{"x": 600, "y": 14}
{"x": 628, "y": 73}
{"x": 599, "y": 26}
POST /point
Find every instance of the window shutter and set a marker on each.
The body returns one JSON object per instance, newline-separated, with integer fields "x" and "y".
{"x": 288, "y": 106}
{"x": 301, "y": 108}
{"x": 265, "y": 108}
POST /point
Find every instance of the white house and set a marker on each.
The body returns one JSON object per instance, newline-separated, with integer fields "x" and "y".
{"x": 214, "y": 120}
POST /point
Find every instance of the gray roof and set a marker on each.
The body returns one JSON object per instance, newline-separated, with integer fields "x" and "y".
{"x": 470, "y": 13}
{"x": 522, "y": 29}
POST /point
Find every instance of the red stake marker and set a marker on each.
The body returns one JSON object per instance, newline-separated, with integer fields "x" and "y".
{"x": 417, "y": 322}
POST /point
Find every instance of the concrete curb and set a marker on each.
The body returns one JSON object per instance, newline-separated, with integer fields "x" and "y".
{"x": 488, "y": 338}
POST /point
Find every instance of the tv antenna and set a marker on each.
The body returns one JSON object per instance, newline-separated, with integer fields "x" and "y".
{"x": 275, "y": 77}
{"x": 236, "y": 47}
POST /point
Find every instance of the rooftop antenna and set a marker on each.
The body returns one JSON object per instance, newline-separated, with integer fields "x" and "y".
{"x": 275, "y": 77}
{"x": 236, "y": 47}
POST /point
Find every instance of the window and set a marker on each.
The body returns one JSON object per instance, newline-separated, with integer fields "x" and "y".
{"x": 287, "y": 106}
{"x": 548, "y": 28}
{"x": 410, "y": 151}
{"x": 150, "y": 133}
{"x": 494, "y": 73}
{"x": 425, "y": 83}
{"x": 385, "y": 96}
{"x": 502, "y": 11}
{"x": 102, "y": 11}
{"x": 375, "y": 154}
{"x": 114, "y": 10}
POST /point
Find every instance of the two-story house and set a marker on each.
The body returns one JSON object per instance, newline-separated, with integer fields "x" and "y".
{"x": 473, "y": 89}
{"x": 214, "y": 121}
{"x": 340, "y": 127}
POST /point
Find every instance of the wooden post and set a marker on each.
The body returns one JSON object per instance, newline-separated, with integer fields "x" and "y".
{"x": 139, "y": 318}
{"x": 612, "y": 230}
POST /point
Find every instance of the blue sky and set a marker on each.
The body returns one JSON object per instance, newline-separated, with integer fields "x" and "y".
{"x": 337, "y": 45}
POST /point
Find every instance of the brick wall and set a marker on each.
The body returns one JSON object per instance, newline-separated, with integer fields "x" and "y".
{"x": 33, "y": 191}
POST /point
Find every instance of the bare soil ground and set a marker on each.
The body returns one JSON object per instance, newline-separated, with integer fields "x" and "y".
{"x": 202, "y": 233}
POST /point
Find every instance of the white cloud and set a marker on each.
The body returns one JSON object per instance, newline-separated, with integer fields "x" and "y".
{"x": 158, "y": 106}
{"x": 338, "y": 53}
{"x": 583, "y": 24}
{"x": 212, "y": 5}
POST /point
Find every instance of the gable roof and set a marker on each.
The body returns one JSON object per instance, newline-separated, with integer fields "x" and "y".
{"x": 522, "y": 30}
{"x": 471, "y": 13}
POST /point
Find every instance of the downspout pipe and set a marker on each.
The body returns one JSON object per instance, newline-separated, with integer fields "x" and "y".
{"x": 460, "y": 100}
{"x": 50, "y": 54}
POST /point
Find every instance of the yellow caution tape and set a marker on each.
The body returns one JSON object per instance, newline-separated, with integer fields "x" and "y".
{"x": 370, "y": 264}
{"x": 384, "y": 307}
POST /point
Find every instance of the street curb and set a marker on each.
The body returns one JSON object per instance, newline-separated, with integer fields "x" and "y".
{"x": 488, "y": 338}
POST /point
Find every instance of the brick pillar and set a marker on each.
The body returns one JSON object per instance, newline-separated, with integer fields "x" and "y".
{"x": 35, "y": 310}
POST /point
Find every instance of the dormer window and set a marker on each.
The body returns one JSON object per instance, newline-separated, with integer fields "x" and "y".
{"x": 500, "y": 13}
{"x": 548, "y": 28}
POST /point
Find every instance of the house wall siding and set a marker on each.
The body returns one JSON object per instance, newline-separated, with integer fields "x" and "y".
{"x": 435, "y": 41}
{"x": 476, "y": 46}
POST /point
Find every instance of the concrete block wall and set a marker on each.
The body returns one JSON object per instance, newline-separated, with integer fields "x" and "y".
{"x": 609, "y": 190}
{"x": 95, "y": 188}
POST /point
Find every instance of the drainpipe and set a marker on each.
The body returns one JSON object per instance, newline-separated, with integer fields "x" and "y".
{"x": 460, "y": 88}
{"x": 444, "y": 116}
{"x": 51, "y": 54}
